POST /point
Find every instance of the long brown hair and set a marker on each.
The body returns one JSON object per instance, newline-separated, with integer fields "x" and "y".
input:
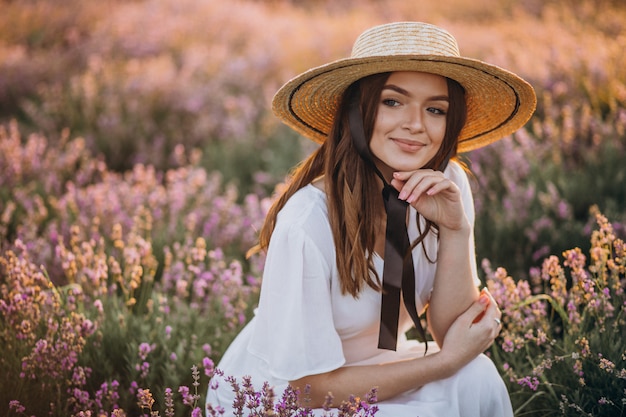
{"x": 352, "y": 187}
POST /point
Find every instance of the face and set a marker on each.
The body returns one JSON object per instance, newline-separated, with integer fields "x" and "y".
{"x": 411, "y": 121}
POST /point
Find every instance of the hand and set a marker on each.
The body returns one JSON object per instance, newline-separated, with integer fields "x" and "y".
{"x": 472, "y": 332}
{"x": 433, "y": 195}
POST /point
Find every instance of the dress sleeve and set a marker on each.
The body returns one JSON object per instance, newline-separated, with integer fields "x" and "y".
{"x": 294, "y": 332}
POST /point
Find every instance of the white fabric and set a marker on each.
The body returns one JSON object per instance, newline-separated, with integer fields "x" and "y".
{"x": 304, "y": 325}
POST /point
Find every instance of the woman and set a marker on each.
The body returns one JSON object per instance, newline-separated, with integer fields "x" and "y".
{"x": 338, "y": 292}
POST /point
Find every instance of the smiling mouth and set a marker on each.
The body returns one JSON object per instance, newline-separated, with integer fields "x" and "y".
{"x": 408, "y": 145}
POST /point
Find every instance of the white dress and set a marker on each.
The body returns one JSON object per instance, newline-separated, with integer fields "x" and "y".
{"x": 304, "y": 325}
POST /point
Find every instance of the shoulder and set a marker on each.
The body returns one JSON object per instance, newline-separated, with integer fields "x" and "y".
{"x": 305, "y": 214}
{"x": 456, "y": 173}
{"x": 307, "y": 205}
{"x": 459, "y": 175}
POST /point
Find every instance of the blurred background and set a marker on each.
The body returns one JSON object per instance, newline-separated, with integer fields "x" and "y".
{"x": 139, "y": 155}
{"x": 166, "y": 83}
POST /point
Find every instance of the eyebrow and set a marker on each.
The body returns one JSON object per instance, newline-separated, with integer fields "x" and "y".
{"x": 404, "y": 92}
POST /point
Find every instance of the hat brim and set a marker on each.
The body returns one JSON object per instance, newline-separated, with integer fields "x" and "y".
{"x": 498, "y": 101}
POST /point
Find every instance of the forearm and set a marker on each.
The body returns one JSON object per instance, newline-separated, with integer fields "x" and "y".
{"x": 454, "y": 289}
{"x": 390, "y": 379}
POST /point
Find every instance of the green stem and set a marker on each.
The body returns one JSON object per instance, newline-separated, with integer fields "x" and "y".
{"x": 543, "y": 378}
{"x": 519, "y": 409}
{"x": 558, "y": 308}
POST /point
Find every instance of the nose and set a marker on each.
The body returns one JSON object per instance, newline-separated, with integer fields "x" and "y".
{"x": 413, "y": 121}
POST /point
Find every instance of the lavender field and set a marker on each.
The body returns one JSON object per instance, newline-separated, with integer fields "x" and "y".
{"x": 138, "y": 157}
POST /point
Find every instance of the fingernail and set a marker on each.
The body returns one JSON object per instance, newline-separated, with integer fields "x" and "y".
{"x": 483, "y": 299}
{"x": 402, "y": 195}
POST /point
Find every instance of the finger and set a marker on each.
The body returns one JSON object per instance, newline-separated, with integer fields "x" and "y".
{"x": 405, "y": 182}
{"x": 485, "y": 290}
{"x": 415, "y": 176}
{"x": 440, "y": 186}
{"x": 497, "y": 327}
{"x": 405, "y": 175}
{"x": 493, "y": 317}
{"x": 418, "y": 184}
{"x": 477, "y": 310}
{"x": 493, "y": 306}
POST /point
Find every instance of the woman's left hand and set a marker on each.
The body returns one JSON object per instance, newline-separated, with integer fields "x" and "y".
{"x": 433, "y": 195}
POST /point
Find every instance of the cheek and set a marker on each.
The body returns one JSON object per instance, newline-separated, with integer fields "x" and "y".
{"x": 384, "y": 123}
{"x": 381, "y": 126}
{"x": 381, "y": 120}
{"x": 439, "y": 131}
{"x": 376, "y": 143}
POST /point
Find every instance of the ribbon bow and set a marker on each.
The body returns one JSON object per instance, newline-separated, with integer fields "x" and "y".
{"x": 398, "y": 271}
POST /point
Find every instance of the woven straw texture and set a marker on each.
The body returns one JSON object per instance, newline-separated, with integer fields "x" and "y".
{"x": 498, "y": 101}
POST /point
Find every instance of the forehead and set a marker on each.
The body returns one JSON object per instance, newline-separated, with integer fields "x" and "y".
{"x": 415, "y": 78}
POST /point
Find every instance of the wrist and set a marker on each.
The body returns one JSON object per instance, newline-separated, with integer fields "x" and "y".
{"x": 446, "y": 363}
{"x": 462, "y": 231}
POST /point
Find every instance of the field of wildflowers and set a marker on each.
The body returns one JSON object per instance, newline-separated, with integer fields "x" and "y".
{"x": 562, "y": 338}
{"x": 138, "y": 158}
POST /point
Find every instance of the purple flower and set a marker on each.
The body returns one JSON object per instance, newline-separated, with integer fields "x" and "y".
{"x": 209, "y": 367}
{"x": 188, "y": 399}
{"x": 144, "y": 350}
{"x": 530, "y": 382}
{"x": 169, "y": 402}
{"x": 16, "y": 406}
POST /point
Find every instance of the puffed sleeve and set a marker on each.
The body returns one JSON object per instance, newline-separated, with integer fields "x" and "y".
{"x": 294, "y": 333}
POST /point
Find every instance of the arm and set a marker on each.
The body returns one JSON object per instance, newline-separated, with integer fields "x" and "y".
{"x": 391, "y": 379}
{"x": 454, "y": 289}
{"x": 455, "y": 304}
{"x": 466, "y": 341}
{"x": 440, "y": 200}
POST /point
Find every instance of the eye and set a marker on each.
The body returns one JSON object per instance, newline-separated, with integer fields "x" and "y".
{"x": 437, "y": 110}
{"x": 390, "y": 102}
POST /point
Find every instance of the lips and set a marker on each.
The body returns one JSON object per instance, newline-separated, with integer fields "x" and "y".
{"x": 408, "y": 145}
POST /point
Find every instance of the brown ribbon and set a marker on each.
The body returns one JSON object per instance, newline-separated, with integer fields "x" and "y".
{"x": 398, "y": 271}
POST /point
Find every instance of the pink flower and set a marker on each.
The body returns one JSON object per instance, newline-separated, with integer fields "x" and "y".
{"x": 144, "y": 350}
{"x": 16, "y": 406}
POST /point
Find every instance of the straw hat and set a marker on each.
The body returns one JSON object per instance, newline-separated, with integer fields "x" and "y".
{"x": 498, "y": 101}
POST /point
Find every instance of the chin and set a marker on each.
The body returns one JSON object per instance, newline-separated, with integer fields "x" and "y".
{"x": 397, "y": 166}
{"x": 407, "y": 167}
